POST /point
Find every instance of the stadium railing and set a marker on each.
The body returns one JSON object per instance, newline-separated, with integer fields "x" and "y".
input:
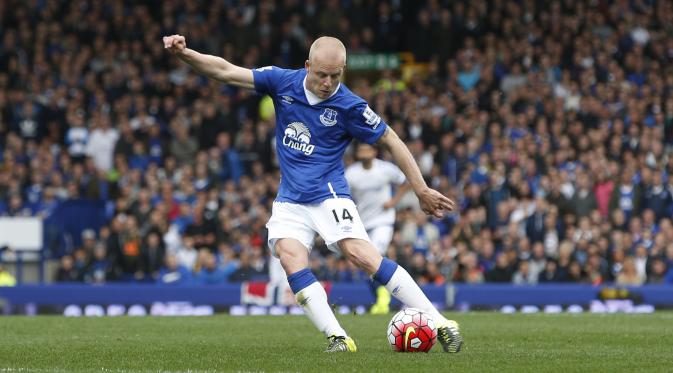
{"x": 453, "y": 295}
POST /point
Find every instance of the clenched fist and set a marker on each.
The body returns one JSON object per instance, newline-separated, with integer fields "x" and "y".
{"x": 175, "y": 43}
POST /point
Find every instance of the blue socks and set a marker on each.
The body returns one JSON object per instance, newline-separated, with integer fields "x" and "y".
{"x": 385, "y": 271}
{"x": 299, "y": 280}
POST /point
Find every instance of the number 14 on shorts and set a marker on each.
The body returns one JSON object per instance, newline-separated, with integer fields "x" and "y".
{"x": 345, "y": 215}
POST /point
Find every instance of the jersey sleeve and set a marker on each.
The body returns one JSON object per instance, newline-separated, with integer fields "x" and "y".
{"x": 267, "y": 79}
{"x": 364, "y": 124}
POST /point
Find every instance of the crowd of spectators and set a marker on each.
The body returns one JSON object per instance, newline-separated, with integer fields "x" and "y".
{"x": 549, "y": 122}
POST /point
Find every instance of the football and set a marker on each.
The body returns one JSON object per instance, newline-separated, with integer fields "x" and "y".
{"x": 412, "y": 330}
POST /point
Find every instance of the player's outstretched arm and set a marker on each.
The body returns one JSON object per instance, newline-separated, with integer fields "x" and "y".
{"x": 432, "y": 202}
{"x": 214, "y": 67}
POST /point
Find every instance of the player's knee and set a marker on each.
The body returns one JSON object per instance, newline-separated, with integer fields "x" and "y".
{"x": 293, "y": 256}
{"x": 361, "y": 253}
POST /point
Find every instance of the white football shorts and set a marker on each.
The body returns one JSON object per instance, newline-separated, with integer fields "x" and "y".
{"x": 333, "y": 219}
{"x": 381, "y": 237}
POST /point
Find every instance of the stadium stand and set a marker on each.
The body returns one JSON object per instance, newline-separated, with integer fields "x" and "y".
{"x": 550, "y": 122}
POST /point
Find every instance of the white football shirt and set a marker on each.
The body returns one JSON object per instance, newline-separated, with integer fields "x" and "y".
{"x": 371, "y": 188}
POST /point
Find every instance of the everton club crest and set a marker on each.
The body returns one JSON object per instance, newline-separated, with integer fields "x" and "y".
{"x": 328, "y": 117}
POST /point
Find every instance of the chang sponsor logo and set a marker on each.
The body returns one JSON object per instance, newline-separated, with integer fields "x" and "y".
{"x": 298, "y": 137}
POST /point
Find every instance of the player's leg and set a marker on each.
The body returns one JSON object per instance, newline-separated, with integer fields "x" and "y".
{"x": 308, "y": 291}
{"x": 338, "y": 222}
{"x": 290, "y": 240}
{"x": 402, "y": 286}
{"x": 380, "y": 237}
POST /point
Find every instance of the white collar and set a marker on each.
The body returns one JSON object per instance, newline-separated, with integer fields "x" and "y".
{"x": 312, "y": 98}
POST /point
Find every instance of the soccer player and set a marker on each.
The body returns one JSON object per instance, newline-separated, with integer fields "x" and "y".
{"x": 316, "y": 118}
{"x": 371, "y": 183}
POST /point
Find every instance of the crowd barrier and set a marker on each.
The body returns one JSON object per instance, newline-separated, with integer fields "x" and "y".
{"x": 266, "y": 294}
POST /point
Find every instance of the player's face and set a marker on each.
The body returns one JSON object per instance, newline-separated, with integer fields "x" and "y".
{"x": 365, "y": 152}
{"x": 323, "y": 76}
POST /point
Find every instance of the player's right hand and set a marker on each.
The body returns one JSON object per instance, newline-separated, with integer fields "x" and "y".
{"x": 435, "y": 203}
{"x": 175, "y": 44}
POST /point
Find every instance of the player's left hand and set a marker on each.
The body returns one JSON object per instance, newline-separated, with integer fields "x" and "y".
{"x": 435, "y": 203}
{"x": 390, "y": 203}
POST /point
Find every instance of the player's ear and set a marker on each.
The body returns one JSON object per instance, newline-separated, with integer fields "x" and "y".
{"x": 307, "y": 65}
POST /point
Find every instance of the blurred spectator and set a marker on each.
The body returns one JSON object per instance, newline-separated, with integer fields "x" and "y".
{"x": 502, "y": 272}
{"x": 626, "y": 195}
{"x": 101, "y": 143}
{"x": 66, "y": 271}
{"x": 550, "y": 272}
{"x": 657, "y": 273}
{"x": 210, "y": 274}
{"x": 419, "y": 232}
{"x": 244, "y": 272}
{"x": 227, "y": 259}
{"x": 187, "y": 254}
{"x": 98, "y": 270}
{"x": 127, "y": 250}
{"x": 524, "y": 275}
{"x": 535, "y": 227}
{"x": 183, "y": 146}
{"x": 657, "y": 198}
{"x": 583, "y": 201}
{"x": 629, "y": 275}
{"x": 174, "y": 274}
{"x": 152, "y": 256}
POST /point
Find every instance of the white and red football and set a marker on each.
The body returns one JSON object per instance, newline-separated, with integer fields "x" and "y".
{"x": 412, "y": 330}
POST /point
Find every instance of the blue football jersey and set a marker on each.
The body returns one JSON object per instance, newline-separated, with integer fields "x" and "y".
{"x": 311, "y": 139}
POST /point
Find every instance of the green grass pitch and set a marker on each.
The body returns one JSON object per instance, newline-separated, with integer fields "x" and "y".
{"x": 494, "y": 342}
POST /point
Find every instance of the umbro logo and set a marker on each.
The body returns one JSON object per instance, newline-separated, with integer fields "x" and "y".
{"x": 287, "y": 99}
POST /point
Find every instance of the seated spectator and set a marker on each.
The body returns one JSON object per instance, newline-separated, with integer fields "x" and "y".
{"x": 576, "y": 274}
{"x": 81, "y": 260}
{"x": 88, "y": 241}
{"x": 418, "y": 231}
{"x": 418, "y": 265}
{"x": 432, "y": 275}
{"x": 187, "y": 254}
{"x": 226, "y": 259}
{"x": 502, "y": 272}
{"x": 245, "y": 270}
{"x": 469, "y": 271}
{"x": 98, "y": 269}
{"x": 629, "y": 275}
{"x": 550, "y": 272}
{"x": 657, "y": 273}
{"x": 524, "y": 275}
{"x": 152, "y": 256}
{"x": 174, "y": 274}
{"x": 537, "y": 261}
{"x": 66, "y": 271}
{"x": 15, "y": 207}
{"x": 210, "y": 274}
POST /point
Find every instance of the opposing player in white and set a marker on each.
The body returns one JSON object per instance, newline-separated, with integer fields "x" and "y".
{"x": 371, "y": 181}
{"x": 316, "y": 118}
